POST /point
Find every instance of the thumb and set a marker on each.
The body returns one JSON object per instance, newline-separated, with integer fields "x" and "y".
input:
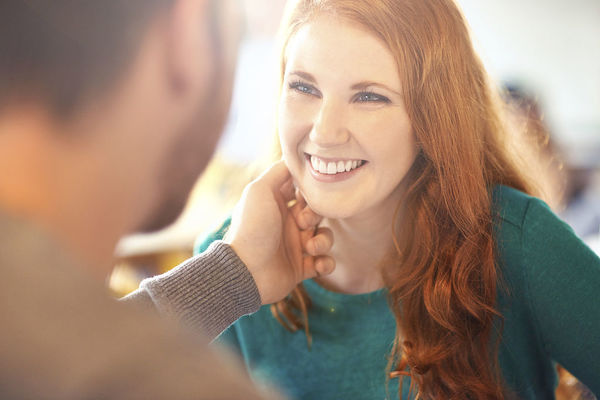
{"x": 275, "y": 176}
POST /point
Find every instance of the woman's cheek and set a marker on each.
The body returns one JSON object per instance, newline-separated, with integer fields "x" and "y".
{"x": 294, "y": 126}
{"x": 288, "y": 150}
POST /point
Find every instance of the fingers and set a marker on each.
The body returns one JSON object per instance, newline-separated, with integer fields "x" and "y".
{"x": 278, "y": 178}
{"x": 287, "y": 190}
{"x": 275, "y": 176}
{"x": 315, "y": 260}
{"x": 320, "y": 243}
{"x": 296, "y": 211}
{"x": 306, "y": 218}
{"x": 275, "y": 181}
{"x": 324, "y": 265}
{"x": 299, "y": 198}
{"x": 317, "y": 266}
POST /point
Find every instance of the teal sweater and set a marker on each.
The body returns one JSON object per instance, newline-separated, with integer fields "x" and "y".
{"x": 551, "y": 314}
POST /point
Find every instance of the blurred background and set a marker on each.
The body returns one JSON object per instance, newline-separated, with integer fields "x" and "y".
{"x": 544, "y": 55}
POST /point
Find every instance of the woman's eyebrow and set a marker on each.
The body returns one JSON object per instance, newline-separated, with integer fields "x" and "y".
{"x": 365, "y": 84}
{"x": 304, "y": 75}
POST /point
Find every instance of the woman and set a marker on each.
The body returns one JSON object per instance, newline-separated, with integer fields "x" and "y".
{"x": 451, "y": 280}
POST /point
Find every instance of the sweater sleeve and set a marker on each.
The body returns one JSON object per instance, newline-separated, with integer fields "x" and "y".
{"x": 563, "y": 279}
{"x": 209, "y": 291}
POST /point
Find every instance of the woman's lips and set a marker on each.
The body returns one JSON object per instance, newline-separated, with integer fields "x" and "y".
{"x": 332, "y": 170}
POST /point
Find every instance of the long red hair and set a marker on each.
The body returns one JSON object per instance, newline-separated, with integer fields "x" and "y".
{"x": 443, "y": 279}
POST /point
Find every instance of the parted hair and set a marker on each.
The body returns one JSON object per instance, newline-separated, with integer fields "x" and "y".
{"x": 443, "y": 278}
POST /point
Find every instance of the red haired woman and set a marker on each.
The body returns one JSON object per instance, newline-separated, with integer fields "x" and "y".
{"x": 452, "y": 281}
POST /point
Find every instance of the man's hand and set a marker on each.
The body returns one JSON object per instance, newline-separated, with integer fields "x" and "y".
{"x": 280, "y": 244}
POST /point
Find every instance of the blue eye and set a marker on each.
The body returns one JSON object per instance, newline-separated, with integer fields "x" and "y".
{"x": 370, "y": 97}
{"x": 304, "y": 88}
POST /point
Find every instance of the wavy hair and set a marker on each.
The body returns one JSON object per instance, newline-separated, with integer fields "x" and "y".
{"x": 442, "y": 279}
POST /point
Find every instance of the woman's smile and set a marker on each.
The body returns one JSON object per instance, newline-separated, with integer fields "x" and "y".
{"x": 333, "y": 169}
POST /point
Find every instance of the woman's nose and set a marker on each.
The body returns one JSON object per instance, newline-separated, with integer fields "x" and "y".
{"x": 329, "y": 128}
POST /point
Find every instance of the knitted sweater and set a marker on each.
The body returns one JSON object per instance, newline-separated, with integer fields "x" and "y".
{"x": 208, "y": 292}
{"x": 551, "y": 314}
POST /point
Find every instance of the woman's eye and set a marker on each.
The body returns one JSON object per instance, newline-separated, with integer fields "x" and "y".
{"x": 303, "y": 88}
{"x": 369, "y": 97}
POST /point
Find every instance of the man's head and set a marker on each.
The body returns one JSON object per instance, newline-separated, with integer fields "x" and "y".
{"x": 109, "y": 110}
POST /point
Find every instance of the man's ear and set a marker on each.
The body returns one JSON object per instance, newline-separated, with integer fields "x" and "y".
{"x": 189, "y": 46}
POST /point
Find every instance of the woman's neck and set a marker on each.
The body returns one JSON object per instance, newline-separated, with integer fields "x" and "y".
{"x": 360, "y": 245}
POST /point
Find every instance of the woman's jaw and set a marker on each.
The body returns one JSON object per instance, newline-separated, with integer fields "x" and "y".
{"x": 352, "y": 196}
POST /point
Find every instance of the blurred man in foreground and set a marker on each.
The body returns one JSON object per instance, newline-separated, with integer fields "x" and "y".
{"x": 108, "y": 112}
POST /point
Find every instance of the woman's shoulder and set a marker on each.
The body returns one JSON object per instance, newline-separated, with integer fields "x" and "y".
{"x": 523, "y": 227}
{"x": 519, "y": 216}
{"x": 517, "y": 213}
{"x": 532, "y": 239}
{"x": 511, "y": 205}
{"x": 552, "y": 278}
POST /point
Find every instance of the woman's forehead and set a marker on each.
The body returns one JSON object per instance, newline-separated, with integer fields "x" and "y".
{"x": 334, "y": 48}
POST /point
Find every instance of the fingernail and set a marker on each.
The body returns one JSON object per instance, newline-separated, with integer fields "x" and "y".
{"x": 315, "y": 246}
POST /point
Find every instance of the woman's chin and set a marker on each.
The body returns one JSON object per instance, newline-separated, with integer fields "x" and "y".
{"x": 330, "y": 210}
{"x": 329, "y": 204}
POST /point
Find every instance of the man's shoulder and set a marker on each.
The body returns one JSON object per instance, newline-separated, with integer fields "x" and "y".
{"x": 64, "y": 337}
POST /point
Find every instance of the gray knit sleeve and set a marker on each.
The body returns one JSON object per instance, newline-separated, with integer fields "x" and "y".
{"x": 209, "y": 291}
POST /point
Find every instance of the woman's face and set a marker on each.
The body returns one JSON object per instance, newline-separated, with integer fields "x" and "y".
{"x": 343, "y": 126}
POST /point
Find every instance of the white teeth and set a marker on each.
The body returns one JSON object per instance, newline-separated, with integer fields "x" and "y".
{"x": 315, "y": 162}
{"x": 322, "y": 167}
{"x": 331, "y": 168}
{"x": 334, "y": 167}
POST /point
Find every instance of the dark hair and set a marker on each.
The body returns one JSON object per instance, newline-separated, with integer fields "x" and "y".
{"x": 62, "y": 51}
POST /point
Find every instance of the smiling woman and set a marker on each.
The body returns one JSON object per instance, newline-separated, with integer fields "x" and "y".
{"x": 452, "y": 281}
{"x": 341, "y": 105}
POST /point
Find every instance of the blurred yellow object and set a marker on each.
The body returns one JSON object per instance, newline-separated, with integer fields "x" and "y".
{"x": 123, "y": 280}
{"x": 129, "y": 272}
